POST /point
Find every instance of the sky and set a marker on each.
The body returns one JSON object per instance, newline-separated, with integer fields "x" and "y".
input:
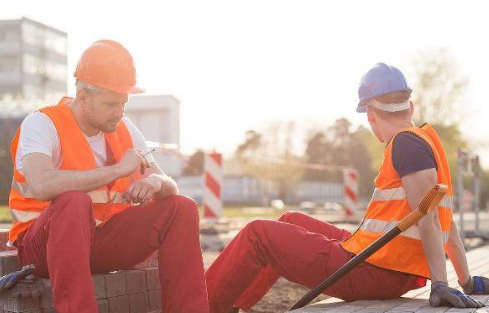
{"x": 237, "y": 65}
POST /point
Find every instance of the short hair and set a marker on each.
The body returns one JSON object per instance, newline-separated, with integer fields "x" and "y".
{"x": 389, "y": 98}
{"x": 83, "y": 85}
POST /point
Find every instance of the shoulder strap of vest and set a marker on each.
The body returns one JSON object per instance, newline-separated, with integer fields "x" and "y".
{"x": 76, "y": 151}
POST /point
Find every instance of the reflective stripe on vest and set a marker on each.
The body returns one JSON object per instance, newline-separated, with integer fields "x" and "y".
{"x": 97, "y": 196}
{"x": 23, "y": 216}
{"x": 398, "y": 193}
{"x": 20, "y": 187}
{"x": 379, "y": 226}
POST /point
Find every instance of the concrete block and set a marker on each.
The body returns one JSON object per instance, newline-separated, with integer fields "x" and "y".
{"x": 154, "y": 300}
{"x": 115, "y": 284}
{"x": 11, "y": 304}
{"x": 152, "y": 261}
{"x": 119, "y": 304}
{"x": 99, "y": 286}
{"x": 152, "y": 278}
{"x": 9, "y": 262}
{"x": 135, "y": 281}
{"x": 138, "y": 302}
{"x": 46, "y": 300}
{"x": 103, "y": 306}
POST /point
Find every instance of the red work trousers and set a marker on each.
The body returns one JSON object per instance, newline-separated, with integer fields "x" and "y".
{"x": 65, "y": 245}
{"x": 302, "y": 249}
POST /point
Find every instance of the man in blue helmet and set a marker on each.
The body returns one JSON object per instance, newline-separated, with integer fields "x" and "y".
{"x": 305, "y": 250}
{"x": 414, "y": 161}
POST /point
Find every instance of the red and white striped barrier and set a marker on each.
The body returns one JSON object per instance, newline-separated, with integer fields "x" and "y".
{"x": 213, "y": 180}
{"x": 350, "y": 181}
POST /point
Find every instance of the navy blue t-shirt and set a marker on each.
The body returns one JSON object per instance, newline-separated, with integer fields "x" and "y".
{"x": 411, "y": 154}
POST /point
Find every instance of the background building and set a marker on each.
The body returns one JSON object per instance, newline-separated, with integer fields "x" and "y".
{"x": 33, "y": 61}
{"x": 158, "y": 118}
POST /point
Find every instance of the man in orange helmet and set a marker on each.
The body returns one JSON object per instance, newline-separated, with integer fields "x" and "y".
{"x": 85, "y": 199}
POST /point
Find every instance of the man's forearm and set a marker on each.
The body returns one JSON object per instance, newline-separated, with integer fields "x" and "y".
{"x": 456, "y": 253}
{"x": 432, "y": 239}
{"x": 56, "y": 182}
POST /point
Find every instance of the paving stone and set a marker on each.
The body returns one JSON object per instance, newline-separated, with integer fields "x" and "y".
{"x": 103, "y": 306}
{"x": 46, "y": 300}
{"x": 139, "y": 302}
{"x": 11, "y": 304}
{"x": 9, "y": 262}
{"x": 152, "y": 261}
{"x": 152, "y": 278}
{"x": 135, "y": 281}
{"x": 99, "y": 286}
{"x": 115, "y": 284}
{"x": 429, "y": 309}
{"x": 459, "y": 310}
{"x": 154, "y": 300}
{"x": 342, "y": 309}
{"x": 374, "y": 310}
{"x": 119, "y": 304}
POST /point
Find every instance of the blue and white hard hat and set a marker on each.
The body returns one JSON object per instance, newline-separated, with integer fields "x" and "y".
{"x": 380, "y": 80}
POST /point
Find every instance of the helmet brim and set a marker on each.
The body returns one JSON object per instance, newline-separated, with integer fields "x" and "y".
{"x": 361, "y": 108}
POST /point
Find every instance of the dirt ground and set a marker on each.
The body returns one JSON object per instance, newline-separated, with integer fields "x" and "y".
{"x": 281, "y": 297}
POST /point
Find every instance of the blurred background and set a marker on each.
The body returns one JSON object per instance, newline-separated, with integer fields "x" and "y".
{"x": 271, "y": 86}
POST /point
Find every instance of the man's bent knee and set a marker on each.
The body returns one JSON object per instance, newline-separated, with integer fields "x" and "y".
{"x": 185, "y": 207}
{"x": 290, "y": 216}
{"x": 72, "y": 201}
{"x": 75, "y": 196}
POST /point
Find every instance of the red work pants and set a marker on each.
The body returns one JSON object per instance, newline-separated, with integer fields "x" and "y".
{"x": 302, "y": 249}
{"x": 65, "y": 245}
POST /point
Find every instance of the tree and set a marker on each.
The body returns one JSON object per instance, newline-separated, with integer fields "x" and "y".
{"x": 270, "y": 155}
{"x": 195, "y": 164}
{"x": 341, "y": 147}
{"x": 439, "y": 87}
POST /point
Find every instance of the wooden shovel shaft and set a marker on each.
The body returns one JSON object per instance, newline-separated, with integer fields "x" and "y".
{"x": 430, "y": 201}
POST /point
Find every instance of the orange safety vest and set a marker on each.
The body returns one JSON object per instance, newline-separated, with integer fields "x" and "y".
{"x": 389, "y": 205}
{"x": 76, "y": 155}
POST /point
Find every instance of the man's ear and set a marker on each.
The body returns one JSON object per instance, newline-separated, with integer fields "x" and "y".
{"x": 370, "y": 114}
{"x": 82, "y": 96}
{"x": 411, "y": 109}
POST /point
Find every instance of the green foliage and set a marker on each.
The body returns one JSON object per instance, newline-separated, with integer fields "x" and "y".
{"x": 195, "y": 164}
{"x": 340, "y": 146}
{"x": 439, "y": 87}
{"x": 268, "y": 155}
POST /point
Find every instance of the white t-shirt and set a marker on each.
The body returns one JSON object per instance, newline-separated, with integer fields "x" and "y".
{"x": 38, "y": 134}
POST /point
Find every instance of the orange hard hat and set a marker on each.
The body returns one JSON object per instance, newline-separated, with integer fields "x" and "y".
{"x": 107, "y": 64}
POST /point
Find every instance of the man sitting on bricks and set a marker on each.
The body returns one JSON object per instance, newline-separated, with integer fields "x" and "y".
{"x": 87, "y": 199}
{"x": 305, "y": 250}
